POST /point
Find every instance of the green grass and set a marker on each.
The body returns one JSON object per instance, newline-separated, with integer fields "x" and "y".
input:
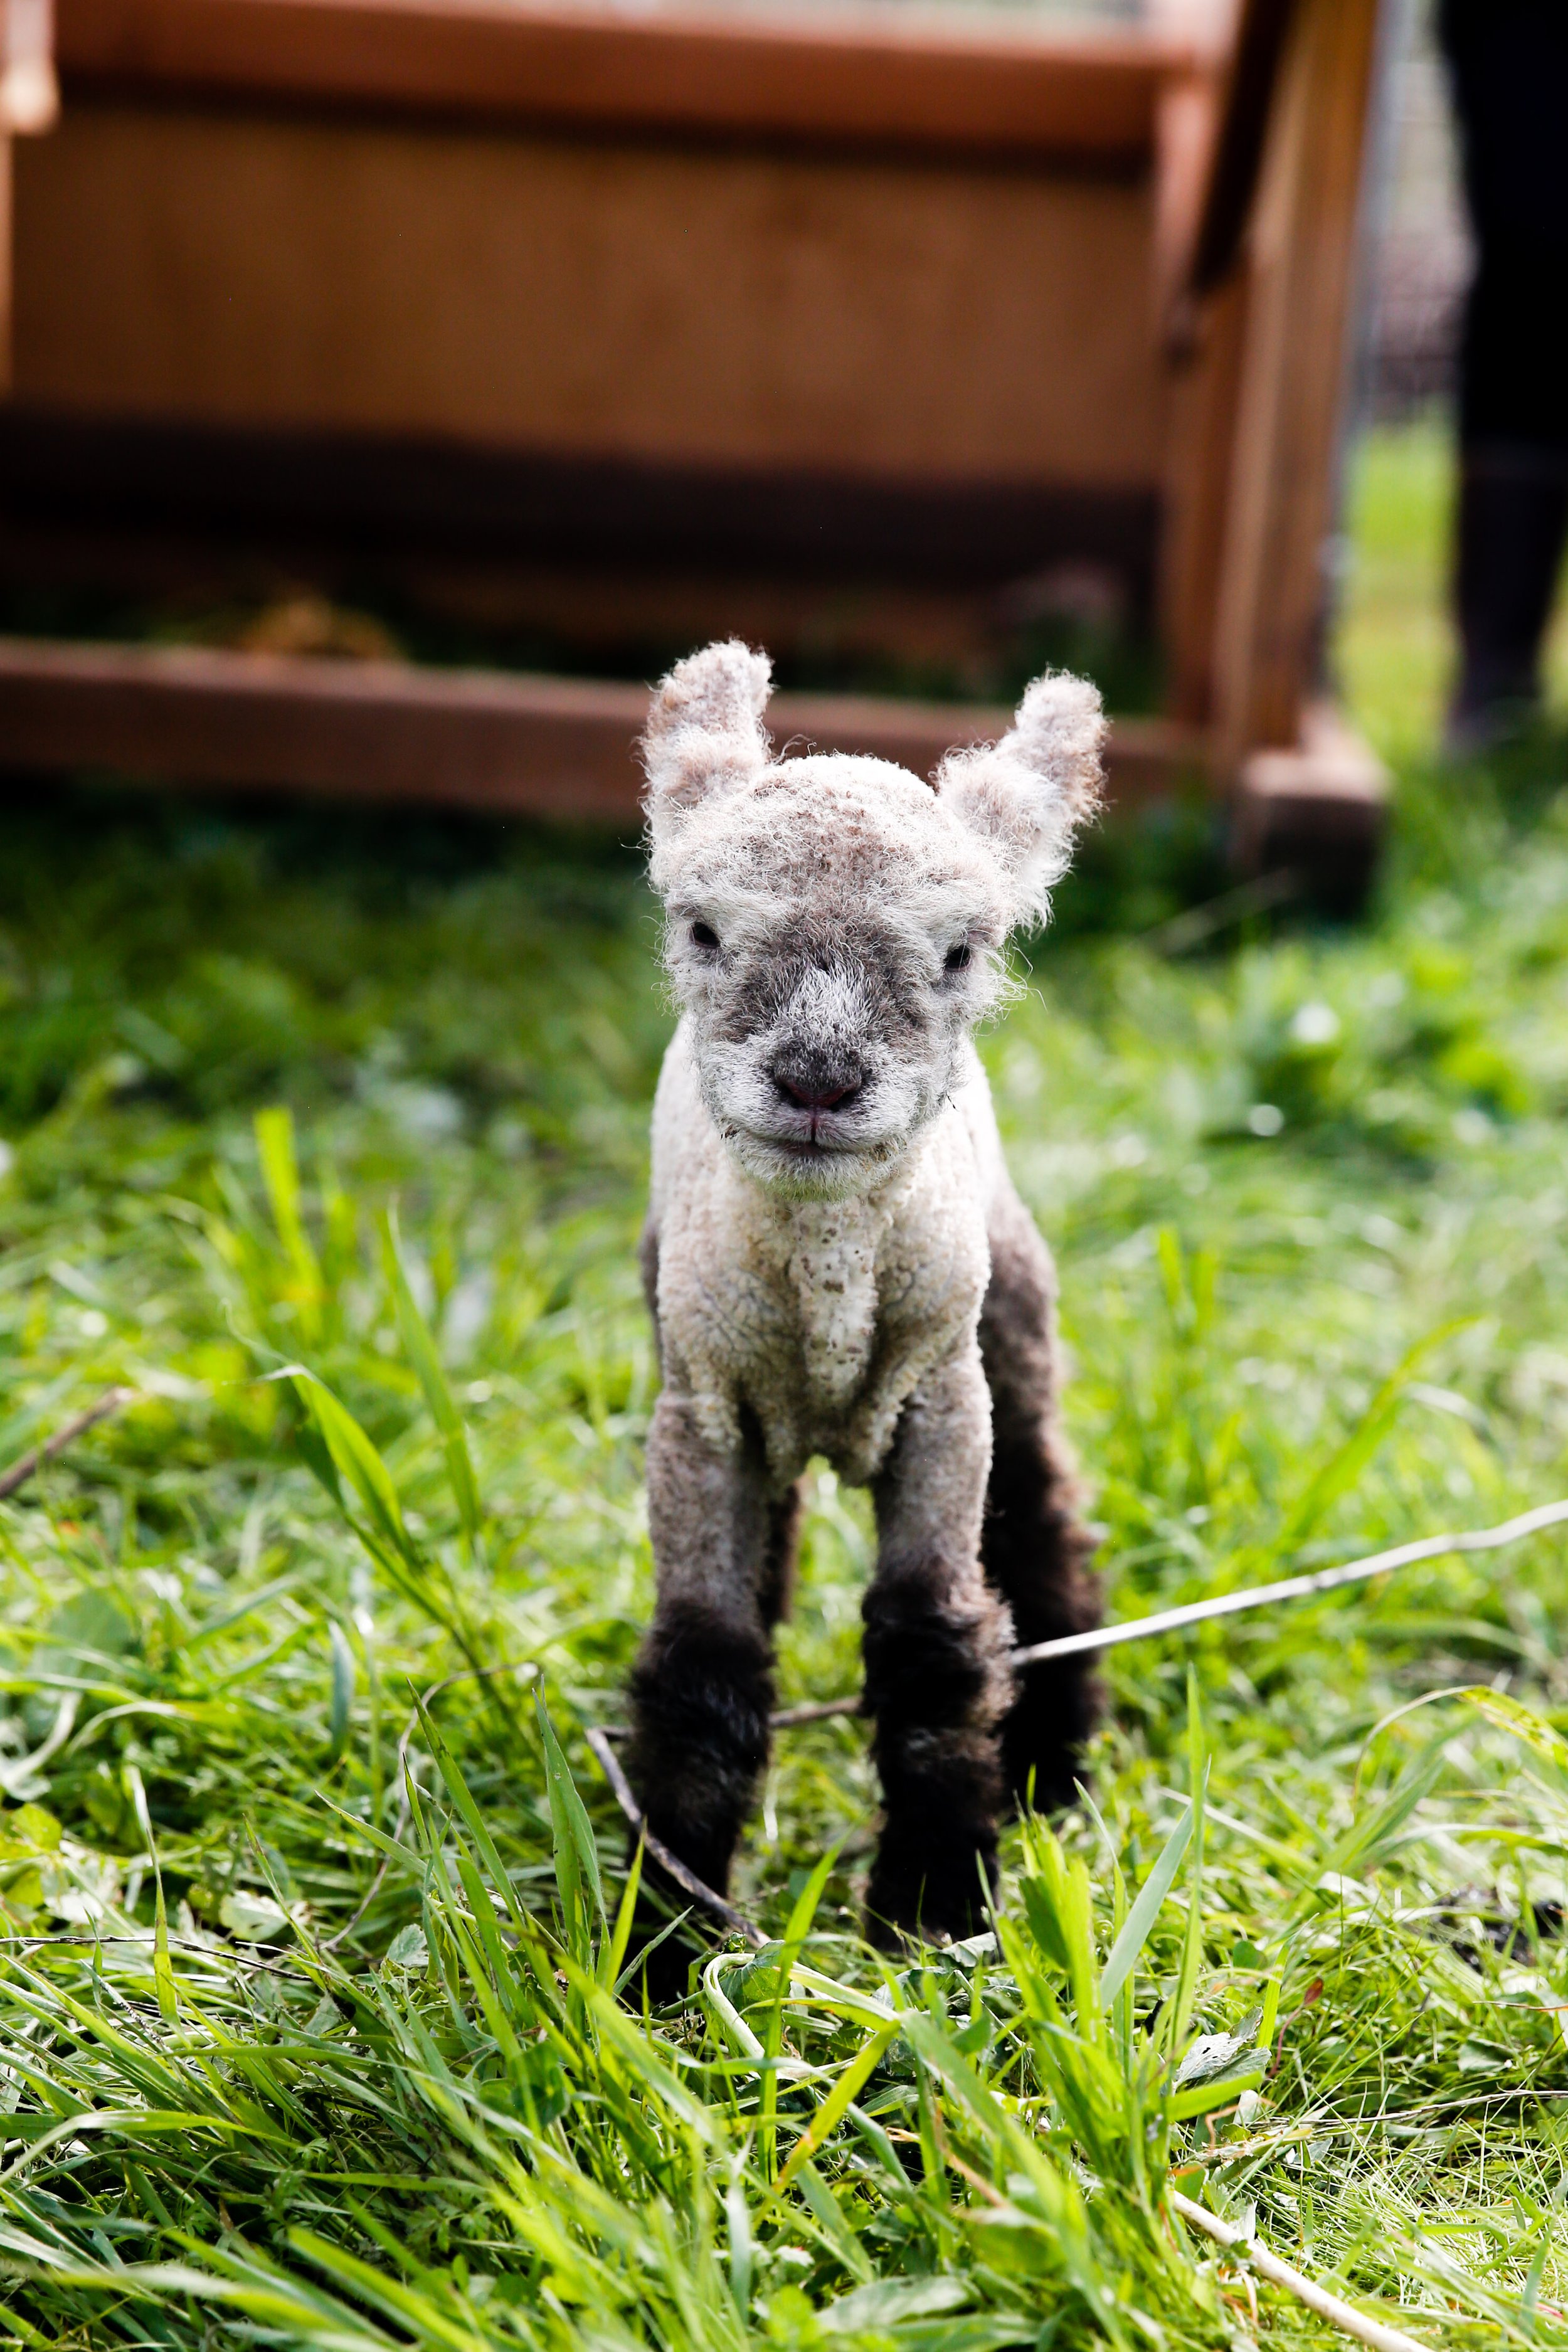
{"x": 308, "y": 2018}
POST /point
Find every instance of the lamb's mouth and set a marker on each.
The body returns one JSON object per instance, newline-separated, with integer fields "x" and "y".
{"x": 816, "y": 1151}
{"x": 809, "y": 1147}
{"x": 814, "y": 1146}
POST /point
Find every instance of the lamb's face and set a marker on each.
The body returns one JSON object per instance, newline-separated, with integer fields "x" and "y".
{"x": 833, "y": 935}
{"x": 835, "y": 925}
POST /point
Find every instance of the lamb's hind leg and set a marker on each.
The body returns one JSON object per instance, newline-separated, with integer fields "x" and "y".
{"x": 1036, "y": 1549}
{"x": 936, "y": 1675}
{"x": 702, "y": 1686}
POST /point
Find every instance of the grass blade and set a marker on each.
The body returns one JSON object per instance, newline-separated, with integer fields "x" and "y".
{"x": 422, "y": 1353}
{"x": 280, "y": 1174}
{"x": 1123, "y": 1953}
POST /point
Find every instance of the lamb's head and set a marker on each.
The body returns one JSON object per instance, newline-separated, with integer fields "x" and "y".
{"x": 835, "y": 925}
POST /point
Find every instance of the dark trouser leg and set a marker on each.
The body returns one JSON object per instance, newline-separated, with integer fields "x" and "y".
{"x": 1512, "y": 524}
{"x": 1034, "y": 1548}
{"x": 1507, "y": 60}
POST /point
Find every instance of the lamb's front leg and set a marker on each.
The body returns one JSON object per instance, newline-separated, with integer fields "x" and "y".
{"x": 701, "y": 1688}
{"x": 937, "y": 1678}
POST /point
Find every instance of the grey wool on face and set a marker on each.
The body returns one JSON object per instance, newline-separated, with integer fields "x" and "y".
{"x": 837, "y": 1263}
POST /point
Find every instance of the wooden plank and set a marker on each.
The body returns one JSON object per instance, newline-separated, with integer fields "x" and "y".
{"x": 1259, "y": 330}
{"x": 1186, "y": 125}
{"x": 1252, "y": 78}
{"x": 29, "y": 103}
{"x": 1301, "y": 261}
{"x": 371, "y": 730}
{"x": 707, "y": 306}
{"x": 387, "y": 731}
{"x": 863, "y": 78}
{"x": 1204, "y": 393}
{"x": 8, "y": 267}
{"x": 1202, "y": 345}
{"x": 29, "y": 93}
{"x": 1215, "y": 130}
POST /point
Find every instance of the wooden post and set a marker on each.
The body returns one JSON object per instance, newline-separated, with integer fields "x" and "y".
{"x": 1301, "y": 271}
{"x": 29, "y": 101}
{"x": 1208, "y": 347}
{"x": 1259, "y": 332}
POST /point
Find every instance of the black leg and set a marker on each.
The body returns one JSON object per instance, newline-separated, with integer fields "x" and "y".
{"x": 701, "y": 1689}
{"x": 930, "y": 1684}
{"x": 1034, "y": 1547}
{"x": 936, "y": 1677}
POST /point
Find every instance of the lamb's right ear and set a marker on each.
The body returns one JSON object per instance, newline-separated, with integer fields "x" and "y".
{"x": 704, "y": 732}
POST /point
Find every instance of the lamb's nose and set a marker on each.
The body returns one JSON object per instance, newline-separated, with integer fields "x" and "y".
{"x": 817, "y": 1096}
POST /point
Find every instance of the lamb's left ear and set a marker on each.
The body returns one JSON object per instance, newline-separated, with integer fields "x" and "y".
{"x": 704, "y": 730}
{"x": 1027, "y": 796}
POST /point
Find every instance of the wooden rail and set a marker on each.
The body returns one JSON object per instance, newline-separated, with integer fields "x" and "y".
{"x": 482, "y": 739}
{"x": 862, "y": 77}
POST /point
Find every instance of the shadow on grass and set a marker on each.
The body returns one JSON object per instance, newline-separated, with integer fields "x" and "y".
{"x": 117, "y": 843}
{"x": 1455, "y": 820}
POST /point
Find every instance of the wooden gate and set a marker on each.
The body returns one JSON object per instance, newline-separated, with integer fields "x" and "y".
{"x": 852, "y": 332}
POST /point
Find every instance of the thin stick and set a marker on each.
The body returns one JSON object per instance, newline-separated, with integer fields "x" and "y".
{"x": 672, "y": 1866}
{"x": 1332, "y": 2308}
{"x": 21, "y": 1471}
{"x": 1230, "y": 1604}
{"x": 1299, "y": 1588}
{"x": 817, "y": 1711}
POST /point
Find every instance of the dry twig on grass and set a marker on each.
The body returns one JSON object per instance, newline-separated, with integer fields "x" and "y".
{"x": 1332, "y": 2308}
{"x": 673, "y": 1868}
{"x": 22, "y": 1469}
{"x": 1231, "y": 1604}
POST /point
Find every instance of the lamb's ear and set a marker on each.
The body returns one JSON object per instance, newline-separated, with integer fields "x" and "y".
{"x": 704, "y": 731}
{"x": 1027, "y": 796}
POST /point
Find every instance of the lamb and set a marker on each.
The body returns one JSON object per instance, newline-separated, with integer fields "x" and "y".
{"x": 838, "y": 1265}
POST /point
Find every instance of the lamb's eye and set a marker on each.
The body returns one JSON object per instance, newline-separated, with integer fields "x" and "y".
{"x": 957, "y": 959}
{"x": 704, "y": 935}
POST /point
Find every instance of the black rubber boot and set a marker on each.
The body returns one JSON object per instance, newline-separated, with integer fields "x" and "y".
{"x": 1512, "y": 524}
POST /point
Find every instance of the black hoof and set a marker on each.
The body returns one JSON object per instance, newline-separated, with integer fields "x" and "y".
{"x": 928, "y": 1897}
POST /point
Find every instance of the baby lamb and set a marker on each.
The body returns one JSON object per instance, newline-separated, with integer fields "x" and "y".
{"x": 837, "y": 1263}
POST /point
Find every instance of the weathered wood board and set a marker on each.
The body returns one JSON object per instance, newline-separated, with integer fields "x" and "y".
{"x": 676, "y": 324}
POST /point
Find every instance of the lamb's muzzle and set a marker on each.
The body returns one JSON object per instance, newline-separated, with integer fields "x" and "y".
{"x": 838, "y": 1265}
